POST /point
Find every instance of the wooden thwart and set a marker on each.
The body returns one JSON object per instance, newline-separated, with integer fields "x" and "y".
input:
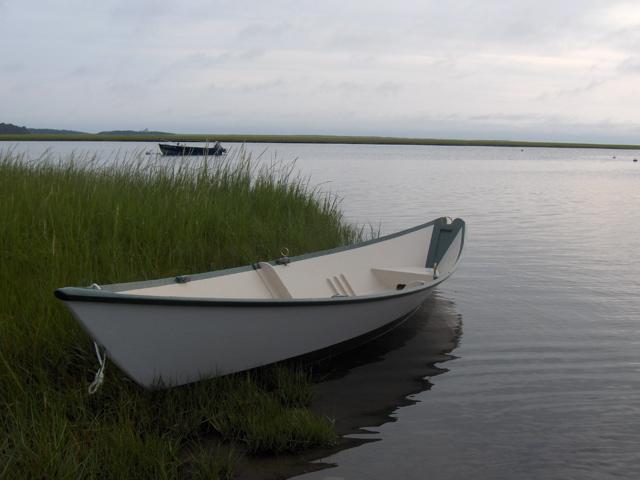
{"x": 272, "y": 281}
{"x": 393, "y": 276}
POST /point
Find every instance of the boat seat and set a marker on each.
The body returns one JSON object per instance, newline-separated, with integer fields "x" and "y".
{"x": 272, "y": 281}
{"x": 392, "y": 277}
{"x": 341, "y": 286}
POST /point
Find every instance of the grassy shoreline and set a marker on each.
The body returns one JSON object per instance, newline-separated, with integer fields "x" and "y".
{"x": 78, "y": 221}
{"x": 327, "y": 139}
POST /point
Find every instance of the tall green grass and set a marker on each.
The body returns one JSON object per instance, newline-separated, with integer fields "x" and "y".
{"x": 79, "y": 221}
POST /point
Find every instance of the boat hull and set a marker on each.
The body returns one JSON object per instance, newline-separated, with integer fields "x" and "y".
{"x": 172, "y": 331}
{"x": 187, "y": 150}
{"x": 170, "y": 345}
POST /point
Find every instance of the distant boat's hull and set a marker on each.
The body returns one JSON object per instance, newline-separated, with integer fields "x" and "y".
{"x": 187, "y": 150}
{"x": 173, "y": 331}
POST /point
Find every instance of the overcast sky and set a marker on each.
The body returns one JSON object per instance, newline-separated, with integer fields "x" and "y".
{"x": 519, "y": 69}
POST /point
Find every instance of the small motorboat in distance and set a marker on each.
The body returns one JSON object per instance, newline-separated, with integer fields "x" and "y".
{"x": 189, "y": 150}
{"x": 183, "y": 329}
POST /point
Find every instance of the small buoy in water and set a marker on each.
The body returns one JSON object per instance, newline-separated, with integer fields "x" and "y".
{"x": 635, "y": 159}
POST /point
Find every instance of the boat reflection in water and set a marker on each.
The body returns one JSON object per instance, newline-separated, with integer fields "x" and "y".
{"x": 365, "y": 386}
{"x": 361, "y": 389}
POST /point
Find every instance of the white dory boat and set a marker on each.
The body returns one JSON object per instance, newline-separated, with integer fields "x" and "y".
{"x": 178, "y": 330}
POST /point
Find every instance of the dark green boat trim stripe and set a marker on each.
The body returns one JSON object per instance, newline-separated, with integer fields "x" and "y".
{"x": 72, "y": 294}
{"x": 109, "y": 293}
{"x": 117, "y": 287}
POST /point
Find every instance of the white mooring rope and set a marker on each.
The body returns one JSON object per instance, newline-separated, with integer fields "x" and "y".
{"x": 99, "y": 378}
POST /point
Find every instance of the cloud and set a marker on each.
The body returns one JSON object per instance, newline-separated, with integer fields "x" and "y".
{"x": 264, "y": 31}
{"x": 388, "y": 88}
{"x": 203, "y": 60}
{"x": 250, "y": 87}
{"x": 85, "y": 70}
{"x": 630, "y": 65}
{"x": 344, "y": 87}
{"x": 12, "y": 67}
{"x": 247, "y": 55}
{"x": 488, "y": 67}
{"x": 593, "y": 84}
{"x": 621, "y": 15}
{"x": 128, "y": 91}
{"x": 200, "y": 62}
{"x": 147, "y": 10}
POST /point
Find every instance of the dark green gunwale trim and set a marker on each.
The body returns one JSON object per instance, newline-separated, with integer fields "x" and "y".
{"x": 109, "y": 293}
{"x": 88, "y": 295}
{"x": 118, "y": 287}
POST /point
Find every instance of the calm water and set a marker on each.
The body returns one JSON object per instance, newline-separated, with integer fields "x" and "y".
{"x": 526, "y": 363}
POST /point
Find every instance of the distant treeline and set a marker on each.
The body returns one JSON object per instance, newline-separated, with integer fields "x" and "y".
{"x": 33, "y": 134}
{"x": 11, "y": 129}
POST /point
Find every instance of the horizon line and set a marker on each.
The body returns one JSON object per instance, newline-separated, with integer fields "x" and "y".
{"x": 141, "y": 136}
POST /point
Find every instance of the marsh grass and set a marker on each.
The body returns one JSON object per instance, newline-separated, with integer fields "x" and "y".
{"x": 79, "y": 221}
{"x": 330, "y": 139}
